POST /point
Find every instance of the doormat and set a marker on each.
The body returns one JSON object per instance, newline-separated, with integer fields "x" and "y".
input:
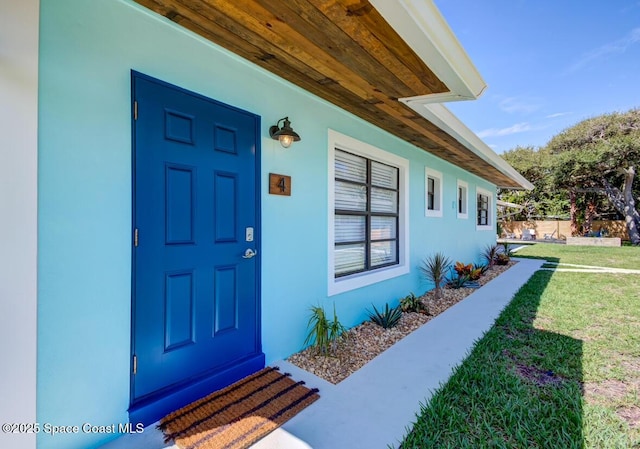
{"x": 240, "y": 414}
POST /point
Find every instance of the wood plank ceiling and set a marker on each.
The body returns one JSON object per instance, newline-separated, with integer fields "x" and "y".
{"x": 342, "y": 51}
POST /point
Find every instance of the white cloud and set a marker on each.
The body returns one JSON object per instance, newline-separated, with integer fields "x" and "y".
{"x": 618, "y": 46}
{"x": 558, "y": 114}
{"x": 498, "y": 132}
{"x": 519, "y": 105}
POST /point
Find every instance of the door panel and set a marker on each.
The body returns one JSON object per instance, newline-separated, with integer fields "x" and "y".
{"x": 196, "y": 299}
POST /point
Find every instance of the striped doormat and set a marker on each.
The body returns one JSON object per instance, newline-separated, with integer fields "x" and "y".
{"x": 239, "y": 415}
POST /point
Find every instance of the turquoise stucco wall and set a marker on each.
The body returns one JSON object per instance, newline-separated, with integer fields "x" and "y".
{"x": 87, "y": 50}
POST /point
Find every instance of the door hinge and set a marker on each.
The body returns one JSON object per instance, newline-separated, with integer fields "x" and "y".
{"x": 135, "y": 364}
{"x": 135, "y": 237}
{"x": 135, "y": 109}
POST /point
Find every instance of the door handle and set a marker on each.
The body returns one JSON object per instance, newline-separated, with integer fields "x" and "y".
{"x": 249, "y": 253}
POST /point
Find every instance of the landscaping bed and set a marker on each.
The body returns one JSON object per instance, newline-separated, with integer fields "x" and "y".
{"x": 362, "y": 343}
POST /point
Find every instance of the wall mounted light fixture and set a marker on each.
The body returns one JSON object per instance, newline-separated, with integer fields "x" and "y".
{"x": 286, "y": 135}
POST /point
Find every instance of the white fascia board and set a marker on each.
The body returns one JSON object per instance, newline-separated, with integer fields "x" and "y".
{"x": 444, "y": 119}
{"x": 423, "y": 28}
{"x": 508, "y": 204}
{"x": 420, "y": 24}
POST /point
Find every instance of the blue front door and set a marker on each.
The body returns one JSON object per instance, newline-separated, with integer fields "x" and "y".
{"x": 196, "y": 307}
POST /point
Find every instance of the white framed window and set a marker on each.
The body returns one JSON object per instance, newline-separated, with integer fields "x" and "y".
{"x": 484, "y": 210}
{"x": 368, "y": 214}
{"x": 462, "y": 203}
{"x": 433, "y": 192}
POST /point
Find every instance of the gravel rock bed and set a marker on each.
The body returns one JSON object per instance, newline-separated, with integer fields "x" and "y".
{"x": 362, "y": 343}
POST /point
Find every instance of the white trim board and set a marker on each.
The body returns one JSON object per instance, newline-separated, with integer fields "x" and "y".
{"x": 19, "y": 34}
{"x": 355, "y": 146}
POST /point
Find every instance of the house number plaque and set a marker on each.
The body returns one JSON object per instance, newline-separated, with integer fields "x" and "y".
{"x": 279, "y": 184}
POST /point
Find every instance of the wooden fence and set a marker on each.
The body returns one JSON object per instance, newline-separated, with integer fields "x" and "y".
{"x": 561, "y": 229}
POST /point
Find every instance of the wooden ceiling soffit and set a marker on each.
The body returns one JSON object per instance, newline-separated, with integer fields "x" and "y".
{"x": 340, "y": 50}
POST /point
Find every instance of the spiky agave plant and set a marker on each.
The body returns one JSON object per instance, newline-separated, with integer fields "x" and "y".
{"x": 457, "y": 280}
{"x": 387, "y": 319}
{"x": 434, "y": 269}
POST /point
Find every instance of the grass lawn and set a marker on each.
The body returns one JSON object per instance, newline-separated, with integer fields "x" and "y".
{"x": 615, "y": 257}
{"x": 559, "y": 369}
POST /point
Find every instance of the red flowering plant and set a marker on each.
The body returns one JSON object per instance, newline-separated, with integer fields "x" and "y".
{"x": 468, "y": 270}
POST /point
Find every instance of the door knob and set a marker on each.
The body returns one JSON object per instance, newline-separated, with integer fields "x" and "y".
{"x": 249, "y": 253}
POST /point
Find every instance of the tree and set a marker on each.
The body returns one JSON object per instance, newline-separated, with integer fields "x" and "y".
{"x": 600, "y": 154}
{"x": 542, "y": 201}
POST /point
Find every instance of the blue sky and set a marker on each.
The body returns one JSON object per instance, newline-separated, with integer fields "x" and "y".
{"x": 548, "y": 64}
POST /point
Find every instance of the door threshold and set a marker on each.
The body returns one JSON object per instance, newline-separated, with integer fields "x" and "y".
{"x": 150, "y": 410}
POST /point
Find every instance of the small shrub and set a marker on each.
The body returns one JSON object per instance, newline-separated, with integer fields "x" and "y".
{"x": 506, "y": 249}
{"x": 387, "y": 319}
{"x": 482, "y": 267}
{"x": 324, "y": 334}
{"x": 458, "y": 281}
{"x": 434, "y": 268}
{"x": 411, "y": 303}
{"x": 462, "y": 268}
{"x": 463, "y": 280}
{"x": 469, "y": 270}
{"x": 490, "y": 252}
{"x": 502, "y": 259}
{"x": 475, "y": 274}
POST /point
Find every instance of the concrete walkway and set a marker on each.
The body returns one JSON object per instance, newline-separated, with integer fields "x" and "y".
{"x": 374, "y": 407}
